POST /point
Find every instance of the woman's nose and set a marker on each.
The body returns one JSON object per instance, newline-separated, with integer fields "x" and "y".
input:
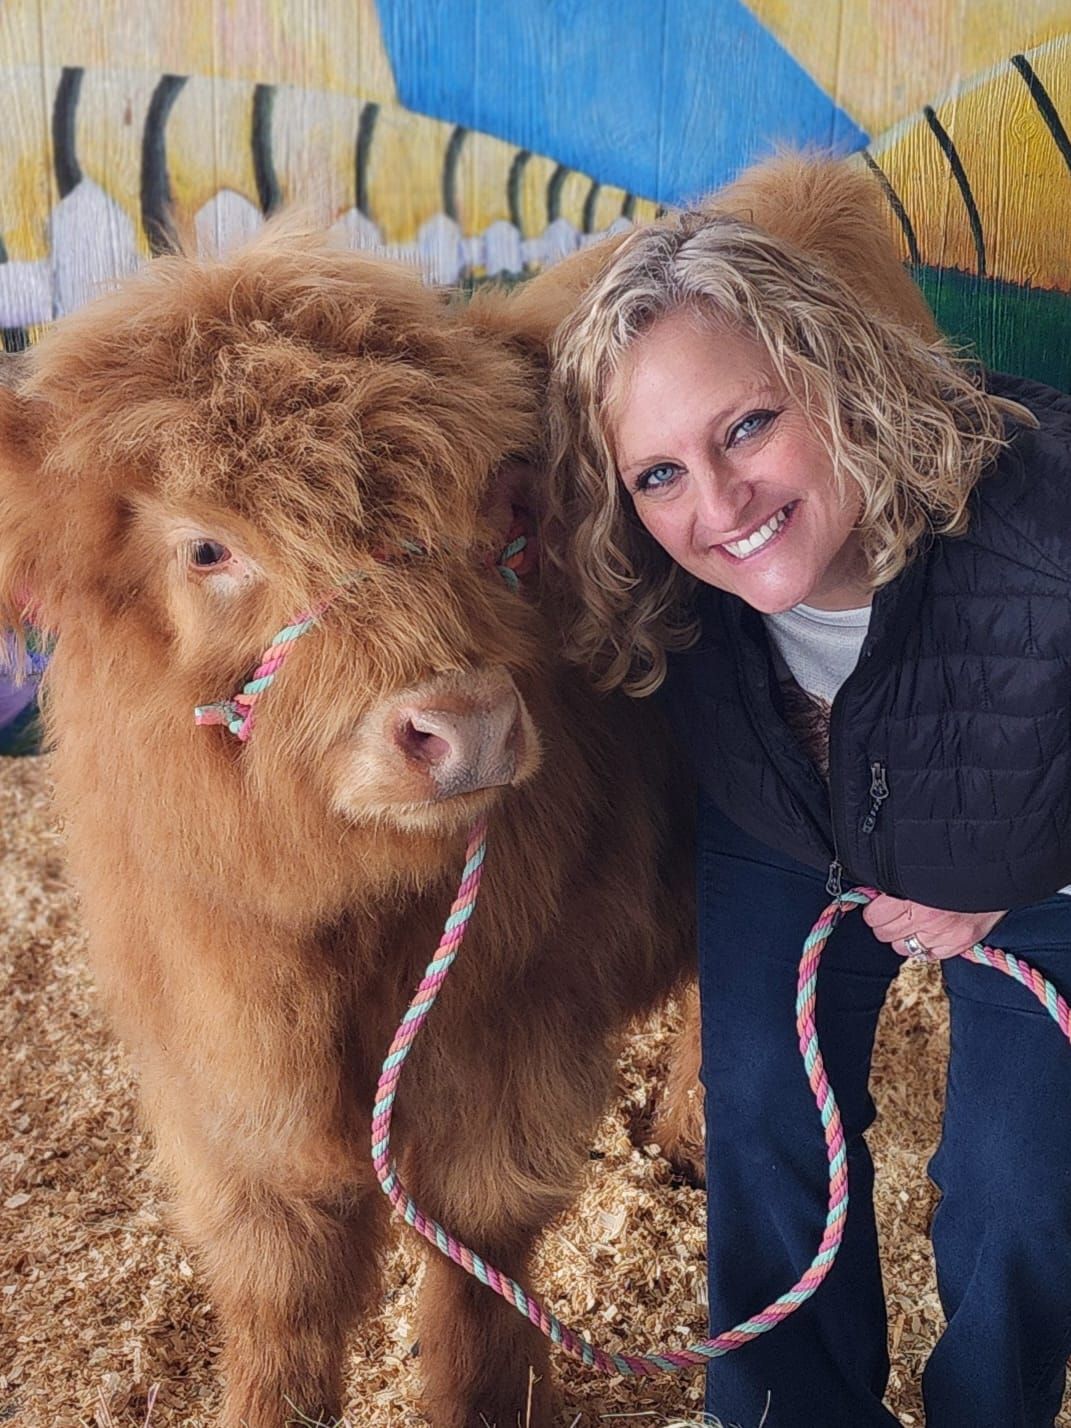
{"x": 721, "y": 503}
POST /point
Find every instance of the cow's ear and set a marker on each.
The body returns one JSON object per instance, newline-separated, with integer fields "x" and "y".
{"x": 836, "y": 212}
{"x": 26, "y": 581}
{"x": 523, "y": 319}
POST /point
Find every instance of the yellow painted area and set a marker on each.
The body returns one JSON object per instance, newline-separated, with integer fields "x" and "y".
{"x": 532, "y": 198}
{"x": 313, "y": 148}
{"x": 321, "y": 44}
{"x": 572, "y": 193}
{"x": 404, "y": 175}
{"x": 882, "y": 59}
{"x": 535, "y": 177}
{"x": 208, "y": 146}
{"x": 482, "y": 182}
{"x": 1020, "y": 182}
{"x": 109, "y": 122}
{"x": 26, "y": 191}
{"x": 313, "y": 137}
{"x": 610, "y": 201}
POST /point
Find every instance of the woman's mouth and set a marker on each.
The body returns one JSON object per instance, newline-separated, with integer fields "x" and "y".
{"x": 763, "y": 536}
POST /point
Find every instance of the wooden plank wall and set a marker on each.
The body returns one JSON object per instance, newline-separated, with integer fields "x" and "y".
{"x": 478, "y": 140}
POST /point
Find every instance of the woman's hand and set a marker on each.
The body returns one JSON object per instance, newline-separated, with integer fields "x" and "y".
{"x": 926, "y": 933}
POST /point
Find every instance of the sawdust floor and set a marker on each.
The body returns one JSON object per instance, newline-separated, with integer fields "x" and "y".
{"x": 99, "y": 1307}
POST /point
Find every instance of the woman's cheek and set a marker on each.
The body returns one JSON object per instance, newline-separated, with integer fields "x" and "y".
{"x": 667, "y": 525}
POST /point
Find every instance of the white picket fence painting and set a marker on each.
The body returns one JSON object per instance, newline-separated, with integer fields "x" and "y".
{"x": 93, "y": 245}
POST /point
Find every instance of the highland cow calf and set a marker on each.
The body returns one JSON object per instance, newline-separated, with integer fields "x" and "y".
{"x": 188, "y": 465}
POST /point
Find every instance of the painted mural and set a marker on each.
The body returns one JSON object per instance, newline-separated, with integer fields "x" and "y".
{"x": 480, "y": 141}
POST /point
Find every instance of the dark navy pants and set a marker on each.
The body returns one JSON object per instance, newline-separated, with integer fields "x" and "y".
{"x": 1002, "y": 1231}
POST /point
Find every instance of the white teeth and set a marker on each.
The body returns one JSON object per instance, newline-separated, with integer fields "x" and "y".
{"x": 758, "y": 538}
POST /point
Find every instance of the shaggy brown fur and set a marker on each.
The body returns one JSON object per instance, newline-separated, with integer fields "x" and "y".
{"x": 259, "y": 914}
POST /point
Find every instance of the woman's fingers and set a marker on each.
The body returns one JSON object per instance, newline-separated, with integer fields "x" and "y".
{"x": 926, "y": 933}
{"x": 889, "y": 915}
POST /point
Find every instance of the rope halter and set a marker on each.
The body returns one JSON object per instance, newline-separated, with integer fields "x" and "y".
{"x": 238, "y": 713}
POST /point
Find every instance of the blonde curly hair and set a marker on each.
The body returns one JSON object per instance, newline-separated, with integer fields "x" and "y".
{"x": 902, "y": 417}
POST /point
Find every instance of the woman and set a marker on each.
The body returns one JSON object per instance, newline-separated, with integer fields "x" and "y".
{"x": 848, "y": 561}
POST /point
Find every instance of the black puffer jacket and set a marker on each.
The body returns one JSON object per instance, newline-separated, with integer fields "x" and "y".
{"x": 950, "y": 743}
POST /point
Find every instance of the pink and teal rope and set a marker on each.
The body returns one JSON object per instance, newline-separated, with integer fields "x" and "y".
{"x": 1028, "y": 976}
{"x": 645, "y": 1365}
{"x": 508, "y": 1288}
{"x": 238, "y": 713}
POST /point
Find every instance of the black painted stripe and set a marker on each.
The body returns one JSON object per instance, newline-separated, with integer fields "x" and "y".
{"x": 589, "y": 206}
{"x": 894, "y": 202}
{"x": 554, "y": 191}
{"x": 64, "y": 155}
{"x": 450, "y": 164}
{"x": 1040, "y": 95}
{"x": 12, "y": 339}
{"x": 628, "y": 207}
{"x": 955, "y": 163}
{"x": 513, "y": 187}
{"x": 365, "y": 129}
{"x": 267, "y": 180}
{"x": 156, "y": 216}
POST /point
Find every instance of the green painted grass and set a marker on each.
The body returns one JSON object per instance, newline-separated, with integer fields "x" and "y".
{"x": 1008, "y": 326}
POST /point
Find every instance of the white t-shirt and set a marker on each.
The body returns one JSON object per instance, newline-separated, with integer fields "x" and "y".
{"x": 819, "y": 648}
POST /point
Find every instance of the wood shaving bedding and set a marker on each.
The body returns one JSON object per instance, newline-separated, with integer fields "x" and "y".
{"x": 101, "y": 1310}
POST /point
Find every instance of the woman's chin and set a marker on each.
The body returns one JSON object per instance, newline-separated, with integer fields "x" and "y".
{"x": 773, "y": 596}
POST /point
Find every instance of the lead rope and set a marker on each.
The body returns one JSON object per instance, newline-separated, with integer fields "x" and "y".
{"x": 573, "y": 1343}
{"x": 646, "y": 1365}
{"x": 237, "y": 714}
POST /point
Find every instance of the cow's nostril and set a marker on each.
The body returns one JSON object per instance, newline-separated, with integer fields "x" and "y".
{"x": 423, "y": 744}
{"x": 462, "y": 743}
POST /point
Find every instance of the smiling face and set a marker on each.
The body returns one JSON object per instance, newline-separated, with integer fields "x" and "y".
{"x": 728, "y": 475}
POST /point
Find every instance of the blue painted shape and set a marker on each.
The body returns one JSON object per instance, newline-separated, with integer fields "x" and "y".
{"x": 665, "y": 98}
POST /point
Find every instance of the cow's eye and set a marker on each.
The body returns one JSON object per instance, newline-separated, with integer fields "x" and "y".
{"x": 207, "y": 554}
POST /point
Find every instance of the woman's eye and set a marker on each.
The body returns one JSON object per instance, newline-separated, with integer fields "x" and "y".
{"x": 205, "y": 554}
{"x": 655, "y": 478}
{"x": 750, "y": 426}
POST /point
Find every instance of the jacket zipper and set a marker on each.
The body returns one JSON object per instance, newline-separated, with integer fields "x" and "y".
{"x": 835, "y": 880}
{"x": 879, "y": 789}
{"x": 879, "y": 792}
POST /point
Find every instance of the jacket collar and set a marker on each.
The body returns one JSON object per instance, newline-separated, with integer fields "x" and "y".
{"x": 897, "y": 605}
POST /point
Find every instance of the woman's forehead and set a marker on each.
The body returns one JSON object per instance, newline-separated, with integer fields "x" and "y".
{"x": 681, "y": 364}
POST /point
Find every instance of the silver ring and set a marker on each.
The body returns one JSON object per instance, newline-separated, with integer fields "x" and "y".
{"x": 915, "y": 948}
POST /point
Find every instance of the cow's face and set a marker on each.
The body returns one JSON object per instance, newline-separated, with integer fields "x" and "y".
{"x": 219, "y": 449}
